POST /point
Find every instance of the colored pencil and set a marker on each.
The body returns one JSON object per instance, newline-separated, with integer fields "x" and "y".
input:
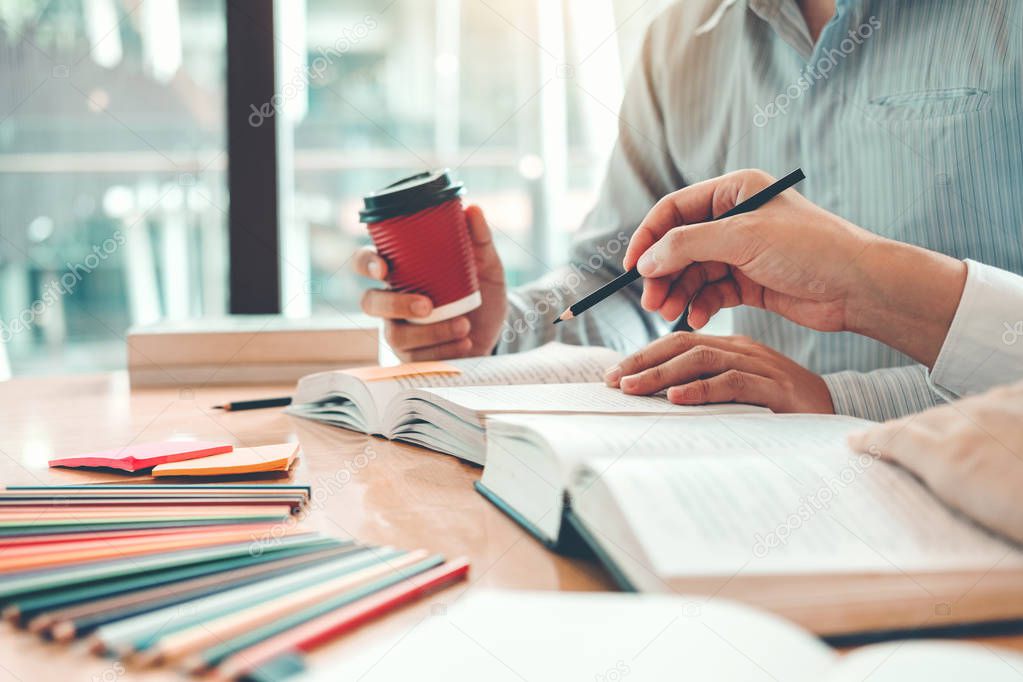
{"x": 82, "y": 619}
{"x": 27, "y": 558}
{"x": 51, "y": 579}
{"x": 206, "y": 634}
{"x": 34, "y": 604}
{"x": 314, "y": 633}
{"x": 214, "y": 655}
{"x": 56, "y": 539}
{"x": 141, "y": 632}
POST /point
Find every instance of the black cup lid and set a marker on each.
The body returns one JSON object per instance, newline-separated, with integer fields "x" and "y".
{"x": 410, "y": 195}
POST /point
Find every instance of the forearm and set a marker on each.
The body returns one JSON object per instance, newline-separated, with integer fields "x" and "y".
{"x": 906, "y": 297}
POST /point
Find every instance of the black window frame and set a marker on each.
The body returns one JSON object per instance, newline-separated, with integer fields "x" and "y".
{"x": 253, "y": 215}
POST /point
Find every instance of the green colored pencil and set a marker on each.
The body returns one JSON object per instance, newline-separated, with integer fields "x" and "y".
{"x": 140, "y": 632}
{"x": 214, "y": 655}
{"x": 32, "y": 606}
{"x": 27, "y": 582}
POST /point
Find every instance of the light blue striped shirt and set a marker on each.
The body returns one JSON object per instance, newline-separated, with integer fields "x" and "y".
{"x": 906, "y": 116}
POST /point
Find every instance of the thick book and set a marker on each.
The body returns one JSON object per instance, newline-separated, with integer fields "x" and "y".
{"x": 773, "y": 510}
{"x": 444, "y": 405}
{"x": 247, "y": 349}
{"x": 519, "y": 635}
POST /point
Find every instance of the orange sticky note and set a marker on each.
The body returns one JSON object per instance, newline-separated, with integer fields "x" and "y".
{"x": 259, "y": 459}
{"x": 409, "y": 369}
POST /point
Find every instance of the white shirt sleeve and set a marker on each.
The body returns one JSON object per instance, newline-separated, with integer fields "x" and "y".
{"x": 984, "y": 345}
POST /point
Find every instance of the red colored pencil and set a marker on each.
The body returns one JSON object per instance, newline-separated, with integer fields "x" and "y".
{"x": 308, "y": 636}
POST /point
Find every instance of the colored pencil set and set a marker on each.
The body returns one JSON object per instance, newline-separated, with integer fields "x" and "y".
{"x": 223, "y": 578}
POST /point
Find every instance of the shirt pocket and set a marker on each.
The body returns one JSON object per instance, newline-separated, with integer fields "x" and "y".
{"x": 927, "y": 104}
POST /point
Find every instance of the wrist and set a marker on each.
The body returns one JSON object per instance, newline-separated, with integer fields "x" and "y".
{"x": 907, "y": 297}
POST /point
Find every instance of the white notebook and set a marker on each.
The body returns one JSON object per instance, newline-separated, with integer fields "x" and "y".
{"x": 501, "y": 636}
{"x": 444, "y": 405}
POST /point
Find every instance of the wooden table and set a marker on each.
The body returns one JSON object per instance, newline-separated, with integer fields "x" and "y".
{"x": 377, "y": 491}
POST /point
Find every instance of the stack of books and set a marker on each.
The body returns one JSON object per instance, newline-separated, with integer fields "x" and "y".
{"x": 195, "y": 576}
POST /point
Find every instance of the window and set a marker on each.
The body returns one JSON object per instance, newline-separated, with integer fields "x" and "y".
{"x": 114, "y": 147}
{"x": 112, "y": 174}
{"x": 519, "y": 97}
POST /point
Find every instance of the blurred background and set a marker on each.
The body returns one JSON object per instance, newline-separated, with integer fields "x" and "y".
{"x": 114, "y": 206}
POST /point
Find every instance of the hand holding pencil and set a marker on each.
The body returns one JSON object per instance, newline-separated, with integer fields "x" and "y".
{"x": 788, "y": 256}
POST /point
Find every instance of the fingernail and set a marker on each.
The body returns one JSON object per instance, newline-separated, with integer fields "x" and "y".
{"x": 647, "y": 262}
{"x": 461, "y": 326}
{"x": 420, "y": 308}
{"x": 374, "y": 268}
{"x": 612, "y": 375}
{"x": 629, "y": 383}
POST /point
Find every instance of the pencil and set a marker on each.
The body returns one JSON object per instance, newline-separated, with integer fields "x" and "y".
{"x": 239, "y": 405}
{"x": 32, "y": 605}
{"x": 215, "y": 655}
{"x": 206, "y": 634}
{"x": 141, "y": 632}
{"x": 622, "y": 281}
{"x": 20, "y": 585}
{"x": 80, "y": 619}
{"x": 318, "y": 631}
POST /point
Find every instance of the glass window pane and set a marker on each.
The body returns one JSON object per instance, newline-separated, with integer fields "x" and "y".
{"x": 519, "y": 97}
{"x": 112, "y": 174}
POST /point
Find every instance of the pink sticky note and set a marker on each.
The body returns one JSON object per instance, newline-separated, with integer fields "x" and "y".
{"x": 140, "y": 456}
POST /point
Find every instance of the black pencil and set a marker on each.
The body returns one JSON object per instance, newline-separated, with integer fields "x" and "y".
{"x": 253, "y": 404}
{"x": 622, "y": 281}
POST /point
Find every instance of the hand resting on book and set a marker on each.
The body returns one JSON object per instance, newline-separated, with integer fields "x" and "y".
{"x": 970, "y": 453}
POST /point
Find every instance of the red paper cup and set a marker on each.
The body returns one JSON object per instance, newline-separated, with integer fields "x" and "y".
{"x": 418, "y": 226}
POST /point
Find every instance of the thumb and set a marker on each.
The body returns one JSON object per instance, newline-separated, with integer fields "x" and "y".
{"x": 727, "y": 241}
{"x": 488, "y": 263}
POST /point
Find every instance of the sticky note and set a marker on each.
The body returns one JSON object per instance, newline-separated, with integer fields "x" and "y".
{"x": 260, "y": 459}
{"x": 138, "y": 456}
{"x": 409, "y": 369}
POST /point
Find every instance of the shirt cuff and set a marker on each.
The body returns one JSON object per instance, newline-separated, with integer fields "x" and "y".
{"x": 984, "y": 344}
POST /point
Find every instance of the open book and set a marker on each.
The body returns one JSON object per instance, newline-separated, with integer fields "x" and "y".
{"x": 443, "y": 405}
{"x": 770, "y": 510}
{"x": 510, "y": 636}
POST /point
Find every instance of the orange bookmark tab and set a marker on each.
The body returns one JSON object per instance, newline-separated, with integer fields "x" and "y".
{"x": 409, "y": 369}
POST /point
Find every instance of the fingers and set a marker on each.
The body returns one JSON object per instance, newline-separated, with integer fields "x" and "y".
{"x": 445, "y": 351}
{"x": 406, "y": 337}
{"x": 368, "y": 264}
{"x": 655, "y": 291}
{"x": 731, "y": 386}
{"x": 688, "y": 285}
{"x": 664, "y": 349}
{"x": 699, "y": 361}
{"x": 731, "y": 241}
{"x": 692, "y": 204}
{"x": 712, "y": 298}
{"x": 395, "y": 306}
{"x": 488, "y": 262}
{"x": 661, "y": 218}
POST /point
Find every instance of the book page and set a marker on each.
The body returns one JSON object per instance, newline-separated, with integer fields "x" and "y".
{"x": 935, "y": 661}
{"x": 810, "y": 511}
{"x": 605, "y": 438}
{"x": 585, "y": 398}
{"x": 552, "y": 363}
{"x": 518, "y": 635}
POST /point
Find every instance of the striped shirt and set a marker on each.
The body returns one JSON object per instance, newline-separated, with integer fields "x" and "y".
{"x": 906, "y": 116}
